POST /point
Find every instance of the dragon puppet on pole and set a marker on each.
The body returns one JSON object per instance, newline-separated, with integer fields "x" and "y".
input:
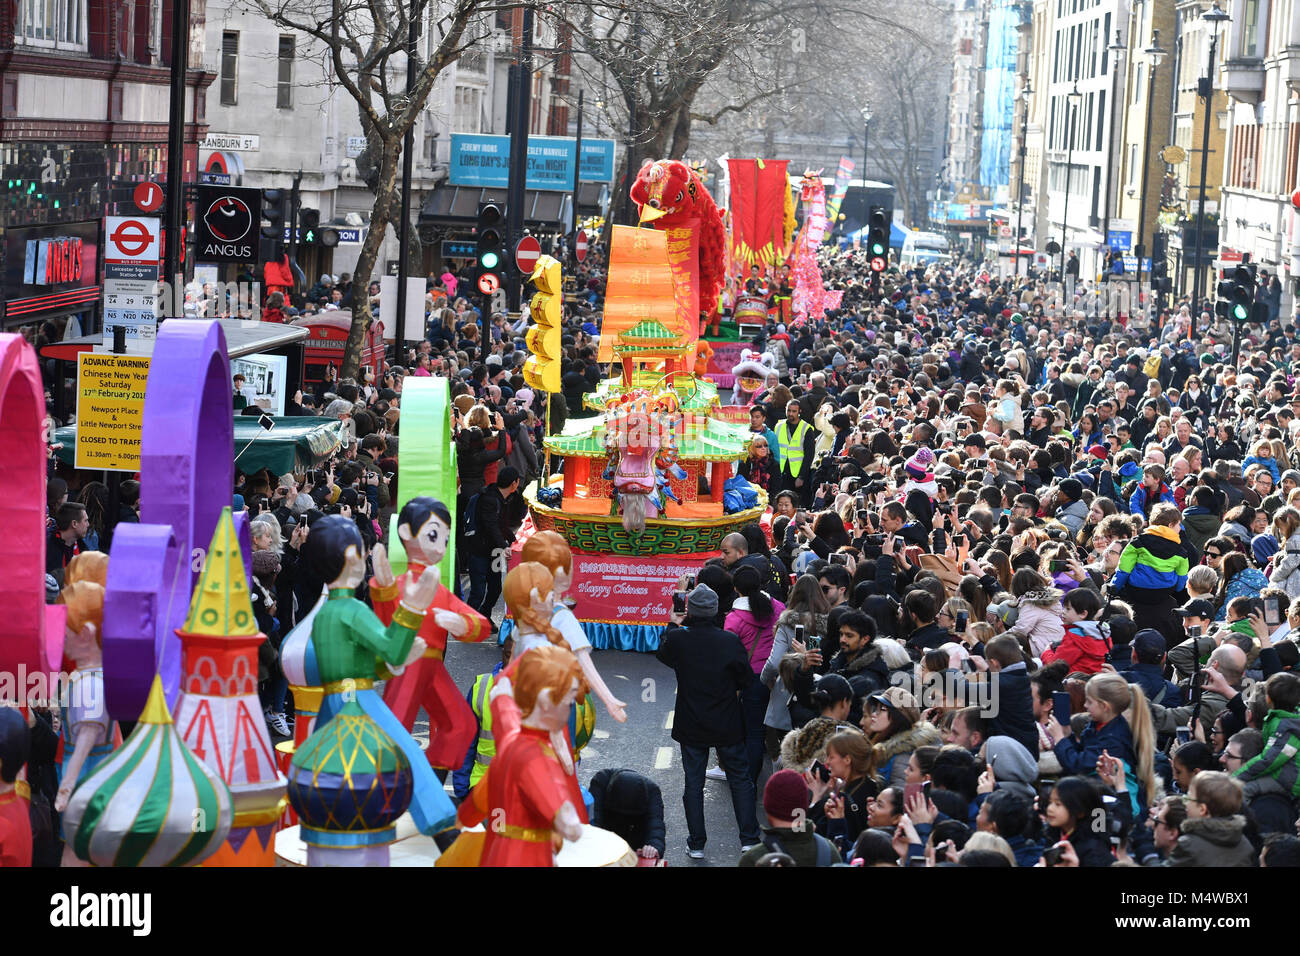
{"x": 671, "y": 195}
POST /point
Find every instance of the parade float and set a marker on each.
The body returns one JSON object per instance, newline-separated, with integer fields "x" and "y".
{"x": 645, "y": 492}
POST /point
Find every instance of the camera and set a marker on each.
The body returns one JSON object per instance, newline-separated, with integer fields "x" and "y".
{"x": 872, "y": 546}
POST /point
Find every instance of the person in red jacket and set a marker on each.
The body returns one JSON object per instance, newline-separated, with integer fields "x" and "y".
{"x": 1084, "y": 646}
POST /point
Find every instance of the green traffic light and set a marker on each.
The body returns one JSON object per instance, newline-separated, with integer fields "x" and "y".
{"x": 1239, "y": 312}
{"x": 877, "y": 249}
{"x": 489, "y": 260}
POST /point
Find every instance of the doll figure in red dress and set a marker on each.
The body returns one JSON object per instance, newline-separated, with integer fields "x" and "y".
{"x": 530, "y": 785}
{"x": 424, "y": 527}
{"x": 15, "y": 819}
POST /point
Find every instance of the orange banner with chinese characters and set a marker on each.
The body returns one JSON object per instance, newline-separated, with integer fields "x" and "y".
{"x": 645, "y": 283}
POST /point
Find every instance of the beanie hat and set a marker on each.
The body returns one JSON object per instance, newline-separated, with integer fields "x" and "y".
{"x": 1099, "y": 451}
{"x": 1071, "y": 488}
{"x": 702, "y": 602}
{"x": 784, "y": 796}
{"x": 1263, "y": 546}
{"x": 920, "y": 464}
{"x": 265, "y": 563}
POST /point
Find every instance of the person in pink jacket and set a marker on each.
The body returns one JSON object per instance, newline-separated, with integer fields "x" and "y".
{"x": 1038, "y": 619}
{"x": 753, "y": 619}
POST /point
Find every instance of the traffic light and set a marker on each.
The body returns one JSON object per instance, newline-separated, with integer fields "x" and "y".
{"x": 489, "y": 246}
{"x": 877, "y": 240}
{"x": 1236, "y": 296}
{"x": 275, "y": 210}
{"x": 1159, "y": 266}
{"x": 542, "y": 369}
{"x": 312, "y": 233}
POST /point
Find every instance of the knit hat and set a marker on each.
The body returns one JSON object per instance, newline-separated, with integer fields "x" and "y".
{"x": 237, "y": 504}
{"x": 266, "y": 564}
{"x": 1071, "y": 488}
{"x": 702, "y": 602}
{"x": 1014, "y": 767}
{"x": 919, "y": 465}
{"x": 1263, "y": 546}
{"x": 899, "y": 700}
{"x": 1292, "y": 474}
{"x": 785, "y": 796}
{"x": 1099, "y": 451}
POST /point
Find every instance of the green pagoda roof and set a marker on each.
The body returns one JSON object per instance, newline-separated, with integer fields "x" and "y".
{"x": 714, "y": 440}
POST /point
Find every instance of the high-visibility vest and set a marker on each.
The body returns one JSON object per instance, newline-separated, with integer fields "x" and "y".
{"x": 485, "y": 747}
{"x": 791, "y": 446}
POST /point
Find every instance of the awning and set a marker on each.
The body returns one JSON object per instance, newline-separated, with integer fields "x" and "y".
{"x": 458, "y": 206}
{"x": 294, "y": 444}
{"x": 242, "y": 338}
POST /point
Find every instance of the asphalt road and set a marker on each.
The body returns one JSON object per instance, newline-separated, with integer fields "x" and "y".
{"x": 643, "y": 744}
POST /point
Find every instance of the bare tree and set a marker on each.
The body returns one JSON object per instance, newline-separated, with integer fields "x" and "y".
{"x": 653, "y": 68}
{"x": 367, "y": 42}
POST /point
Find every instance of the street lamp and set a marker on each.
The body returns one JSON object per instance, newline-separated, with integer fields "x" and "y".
{"x": 1155, "y": 53}
{"x": 918, "y": 203}
{"x": 1073, "y": 96}
{"x": 1214, "y": 17}
{"x": 866, "y": 131}
{"x": 1025, "y": 94}
{"x": 1117, "y": 51}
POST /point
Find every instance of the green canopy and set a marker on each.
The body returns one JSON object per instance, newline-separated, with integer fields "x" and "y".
{"x": 296, "y": 443}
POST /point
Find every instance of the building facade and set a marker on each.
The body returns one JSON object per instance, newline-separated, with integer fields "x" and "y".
{"x": 84, "y": 100}
{"x": 1260, "y": 72}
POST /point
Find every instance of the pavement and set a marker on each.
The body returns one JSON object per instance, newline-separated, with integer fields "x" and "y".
{"x": 643, "y": 744}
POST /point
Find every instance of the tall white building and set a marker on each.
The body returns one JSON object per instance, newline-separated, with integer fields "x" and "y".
{"x": 1078, "y": 131}
{"x": 964, "y": 104}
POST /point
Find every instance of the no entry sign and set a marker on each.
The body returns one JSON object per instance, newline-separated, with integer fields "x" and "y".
{"x": 527, "y": 253}
{"x": 580, "y": 245}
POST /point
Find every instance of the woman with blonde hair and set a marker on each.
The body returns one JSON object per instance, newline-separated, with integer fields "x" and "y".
{"x": 1119, "y": 728}
{"x": 842, "y": 813}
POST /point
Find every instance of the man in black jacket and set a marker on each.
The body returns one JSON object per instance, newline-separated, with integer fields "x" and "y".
{"x": 919, "y": 613}
{"x": 858, "y": 660}
{"x": 1009, "y": 710}
{"x": 496, "y": 518}
{"x": 712, "y": 668}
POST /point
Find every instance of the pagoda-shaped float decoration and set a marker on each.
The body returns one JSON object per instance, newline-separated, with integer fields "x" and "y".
{"x": 152, "y": 803}
{"x": 218, "y": 711}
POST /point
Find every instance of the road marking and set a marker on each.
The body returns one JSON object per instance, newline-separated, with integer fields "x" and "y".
{"x": 663, "y": 758}
{"x": 668, "y": 722}
{"x": 600, "y": 735}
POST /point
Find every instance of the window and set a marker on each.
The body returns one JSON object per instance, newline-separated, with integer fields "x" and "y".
{"x": 1250, "y": 29}
{"x": 284, "y": 79}
{"x": 1137, "y": 83}
{"x": 1132, "y": 164}
{"x": 60, "y": 24}
{"x": 467, "y": 115}
{"x": 229, "y": 67}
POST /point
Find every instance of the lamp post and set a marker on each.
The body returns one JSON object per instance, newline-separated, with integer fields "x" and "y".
{"x": 918, "y": 200}
{"x": 1025, "y": 94}
{"x": 866, "y": 132}
{"x": 1155, "y": 54}
{"x": 1073, "y": 96}
{"x": 1117, "y": 50}
{"x": 1214, "y": 17}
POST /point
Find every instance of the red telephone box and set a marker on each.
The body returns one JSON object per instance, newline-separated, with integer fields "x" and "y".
{"x": 327, "y": 334}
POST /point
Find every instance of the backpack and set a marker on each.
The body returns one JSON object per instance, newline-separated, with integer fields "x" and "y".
{"x": 471, "y": 515}
{"x": 824, "y": 857}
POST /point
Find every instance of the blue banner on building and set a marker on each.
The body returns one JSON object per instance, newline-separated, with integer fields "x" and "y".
{"x": 483, "y": 160}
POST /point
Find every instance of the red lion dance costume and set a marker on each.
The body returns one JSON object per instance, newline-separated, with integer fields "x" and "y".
{"x": 670, "y": 194}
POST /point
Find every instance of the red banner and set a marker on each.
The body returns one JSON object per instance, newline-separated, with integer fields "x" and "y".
{"x": 613, "y": 589}
{"x": 760, "y": 189}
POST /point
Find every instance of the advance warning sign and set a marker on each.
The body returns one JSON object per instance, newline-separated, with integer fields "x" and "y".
{"x": 110, "y": 410}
